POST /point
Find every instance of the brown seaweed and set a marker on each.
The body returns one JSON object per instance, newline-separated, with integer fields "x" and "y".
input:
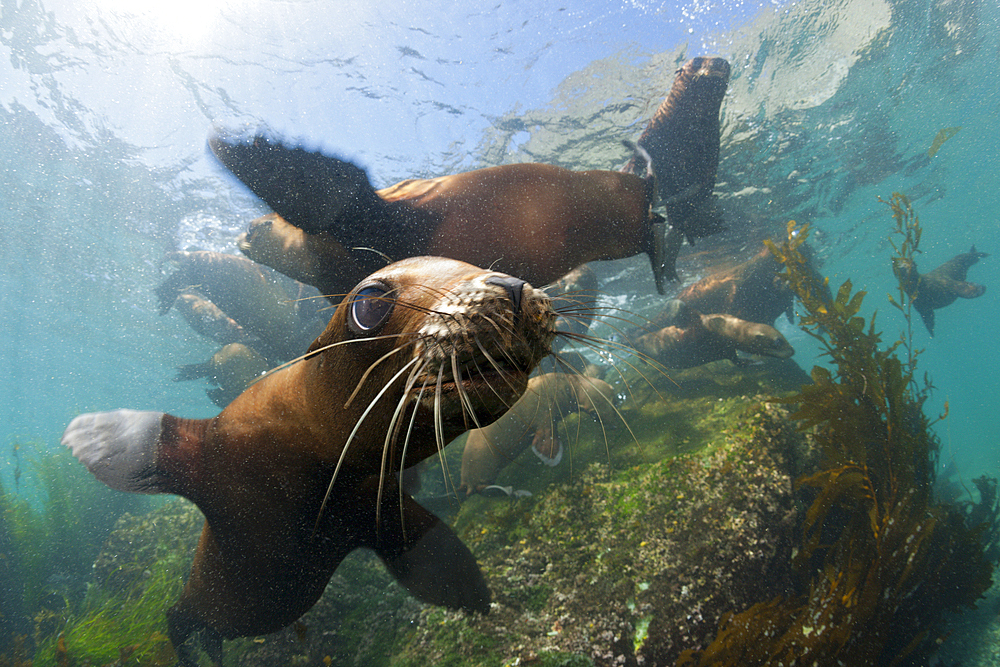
{"x": 880, "y": 560}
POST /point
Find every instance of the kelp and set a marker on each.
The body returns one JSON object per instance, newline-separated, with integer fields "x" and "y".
{"x": 881, "y": 562}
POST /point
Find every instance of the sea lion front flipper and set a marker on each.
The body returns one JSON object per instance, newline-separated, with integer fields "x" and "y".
{"x": 312, "y": 191}
{"x": 427, "y": 558}
{"x": 118, "y": 447}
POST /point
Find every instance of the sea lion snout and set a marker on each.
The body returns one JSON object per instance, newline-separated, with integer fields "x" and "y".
{"x": 514, "y": 287}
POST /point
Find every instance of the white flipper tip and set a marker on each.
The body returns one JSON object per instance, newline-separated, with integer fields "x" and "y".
{"x": 119, "y": 448}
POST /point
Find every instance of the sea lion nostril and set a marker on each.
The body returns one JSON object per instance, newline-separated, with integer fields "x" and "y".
{"x": 514, "y": 287}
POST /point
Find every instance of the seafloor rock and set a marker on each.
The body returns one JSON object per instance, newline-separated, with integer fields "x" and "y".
{"x": 629, "y": 567}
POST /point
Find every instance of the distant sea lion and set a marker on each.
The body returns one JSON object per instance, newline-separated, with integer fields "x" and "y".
{"x": 294, "y": 474}
{"x": 535, "y": 221}
{"x": 940, "y": 287}
{"x": 244, "y": 291}
{"x": 691, "y": 338}
{"x": 232, "y": 369}
{"x": 753, "y": 290}
{"x": 313, "y": 259}
{"x": 549, "y": 397}
{"x": 683, "y": 141}
{"x": 208, "y": 319}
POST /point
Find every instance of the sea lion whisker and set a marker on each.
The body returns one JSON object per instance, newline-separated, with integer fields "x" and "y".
{"x": 391, "y": 435}
{"x": 364, "y": 376}
{"x": 602, "y": 346}
{"x": 600, "y": 418}
{"x": 438, "y": 421}
{"x": 324, "y": 348}
{"x": 354, "y": 432}
{"x": 388, "y": 260}
{"x": 406, "y": 446}
{"x": 499, "y": 369}
{"x": 463, "y": 395}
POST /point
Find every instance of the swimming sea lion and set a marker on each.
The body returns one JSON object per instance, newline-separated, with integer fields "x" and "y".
{"x": 244, "y": 291}
{"x": 683, "y": 141}
{"x": 549, "y": 397}
{"x": 232, "y": 369}
{"x": 534, "y": 221}
{"x": 940, "y": 287}
{"x": 208, "y": 319}
{"x": 691, "y": 338}
{"x": 753, "y": 290}
{"x": 313, "y": 259}
{"x": 294, "y": 474}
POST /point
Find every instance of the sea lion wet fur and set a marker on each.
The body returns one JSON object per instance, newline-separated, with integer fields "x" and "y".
{"x": 299, "y": 469}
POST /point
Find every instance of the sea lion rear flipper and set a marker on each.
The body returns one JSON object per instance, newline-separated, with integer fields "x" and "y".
{"x": 428, "y": 559}
{"x": 193, "y": 372}
{"x": 312, "y": 191}
{"x": 927, "y": 315}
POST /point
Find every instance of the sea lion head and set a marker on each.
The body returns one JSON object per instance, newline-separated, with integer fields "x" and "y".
{"x": 709, "y": 76}
{"x": 436, "y": 344}
{"x": 749, "y": 337}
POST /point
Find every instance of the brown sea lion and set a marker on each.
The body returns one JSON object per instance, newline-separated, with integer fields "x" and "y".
{"x": 940, "y": 287}
{"x": 682, "y": 139}
{"x": 313, "y": 259}
{"x": 208, "y": 319}
{"x": 535, "y": 221}
{"x": 753, "y": 290}
{"x": 691, "y": 338}
{"x": 549, "y": 397}
{"x": 245, "y": 291}
{"x": 295, "y": 473}
{"x": 232, "y": 369}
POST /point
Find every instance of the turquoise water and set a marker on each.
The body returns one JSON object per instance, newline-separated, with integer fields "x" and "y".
{"x": 106, "y": 109}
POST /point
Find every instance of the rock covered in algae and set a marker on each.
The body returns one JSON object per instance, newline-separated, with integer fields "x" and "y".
{"x": 629, "y": 567}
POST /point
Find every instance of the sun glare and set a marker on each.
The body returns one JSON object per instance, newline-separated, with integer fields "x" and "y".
{"x": 182, "y": 20}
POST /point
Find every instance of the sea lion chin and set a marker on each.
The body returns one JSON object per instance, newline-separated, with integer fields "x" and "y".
{"x": 292, "y": 475}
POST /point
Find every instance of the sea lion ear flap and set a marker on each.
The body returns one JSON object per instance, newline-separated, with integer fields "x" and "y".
{"x": 432, "y": 563}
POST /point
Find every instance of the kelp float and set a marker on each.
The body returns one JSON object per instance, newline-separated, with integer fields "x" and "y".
{"x": 881, "y": 562}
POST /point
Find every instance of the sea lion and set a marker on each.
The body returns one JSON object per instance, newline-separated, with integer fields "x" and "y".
{"x": 940, "y": 287}
{"x": 294, "y": 474}
{"x": 753, "y": 290}
{"x": 232, "y": 369}
{"x": 208, "y": 319}
{"x": 243, "y": 290}
{"x": 682, "y": 139}
{"x": 313, "y": 259}
{"x": 549, "y": 397}
{"x": 691, "y": 338}
{"x": 534, "y": 221}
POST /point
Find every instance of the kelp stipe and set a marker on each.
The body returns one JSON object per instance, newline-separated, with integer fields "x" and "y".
{"x": 880, "y": 561}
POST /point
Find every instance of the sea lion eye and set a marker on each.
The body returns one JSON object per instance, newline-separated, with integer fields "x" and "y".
{"x": 370, "y": 307}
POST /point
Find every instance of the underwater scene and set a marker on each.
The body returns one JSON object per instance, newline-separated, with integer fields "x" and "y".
{"x": 562, "y": 334}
